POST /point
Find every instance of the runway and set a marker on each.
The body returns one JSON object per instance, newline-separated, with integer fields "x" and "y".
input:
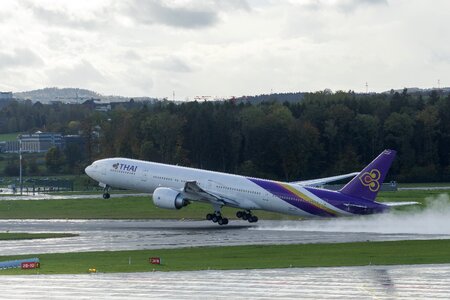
{"x": 98, "y": 235}
{"x": 379, "y": 282}
{"x": 371, "y": 282}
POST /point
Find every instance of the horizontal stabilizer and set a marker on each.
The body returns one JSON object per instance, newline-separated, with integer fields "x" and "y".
{"x": 395, "y": 204}
{"x": 321, "y": 181}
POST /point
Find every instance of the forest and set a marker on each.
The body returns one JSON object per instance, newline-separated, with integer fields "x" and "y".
{"x": 321, "y": 134}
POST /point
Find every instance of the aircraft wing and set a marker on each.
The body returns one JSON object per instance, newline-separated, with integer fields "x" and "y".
{"x": 193, "y": 189}
{"x": 321, "y": 181}
{"x": 396, "y": 204}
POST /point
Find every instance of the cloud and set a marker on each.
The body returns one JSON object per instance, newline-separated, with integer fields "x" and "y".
{"x": 171, "y": 64}
{"x": 63, "y": 17}
{"x": 351, "y": 5}
{"x": 233, "y": 5}
{"x": 160, "y": 12}
{"x": 340, "y": 5}
{"x": 131, "y": 55}
{"x": 20, "y": 57}
{"x": 153, "y": 47}
{"x": 4, "y": 17}
{"x": 82, "y": 74}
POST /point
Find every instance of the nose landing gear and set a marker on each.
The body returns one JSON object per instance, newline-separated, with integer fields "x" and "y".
{"x": 106, "y": 194}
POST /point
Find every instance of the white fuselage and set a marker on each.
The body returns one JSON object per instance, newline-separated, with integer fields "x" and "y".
{"x": 242, "y": 191}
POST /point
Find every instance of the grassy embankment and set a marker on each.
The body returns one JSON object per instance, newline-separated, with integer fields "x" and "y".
{"x": 424, "y": 184}
{"x": 244, "y": 257}
{"x": 141, "y": 207}
{"x": 9, "y": 136}
{"x": 6, "y": 236}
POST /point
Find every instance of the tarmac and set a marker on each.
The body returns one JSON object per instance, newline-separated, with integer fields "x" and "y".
{"x": 102, "y": 235}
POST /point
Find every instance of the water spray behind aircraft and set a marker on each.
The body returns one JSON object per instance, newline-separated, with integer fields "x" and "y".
{"x": 433, "y": 219}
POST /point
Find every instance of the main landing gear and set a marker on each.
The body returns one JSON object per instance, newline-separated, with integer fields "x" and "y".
{"x": 216, "y": 217}
{"x": 247, "y": 215}
{"x": 106, "y": 194}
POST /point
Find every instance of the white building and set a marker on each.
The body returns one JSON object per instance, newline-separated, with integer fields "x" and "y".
{"x": 40, "y": 141}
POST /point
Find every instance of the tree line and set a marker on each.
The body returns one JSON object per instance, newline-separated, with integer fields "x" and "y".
{"x": 322, "y": 134}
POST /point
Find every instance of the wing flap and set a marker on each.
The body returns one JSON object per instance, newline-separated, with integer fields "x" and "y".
{"x": 193, "y": 189}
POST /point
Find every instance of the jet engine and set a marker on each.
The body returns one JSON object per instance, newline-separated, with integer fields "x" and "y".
{"x": 168, "y": 198}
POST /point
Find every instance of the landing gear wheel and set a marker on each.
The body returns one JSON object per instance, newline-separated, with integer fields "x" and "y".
{"x": 216, "y": 218}
{"x": 222, "y": 221}
{"x": 247, "y": 216}
{"x": 253, "y": 219}
{"x": 106, "y": 192}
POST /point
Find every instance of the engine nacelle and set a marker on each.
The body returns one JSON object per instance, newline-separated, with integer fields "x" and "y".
{"x": 168, "y": 198}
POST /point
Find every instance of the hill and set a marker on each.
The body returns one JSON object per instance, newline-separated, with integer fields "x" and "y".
{"x": 70, "y": 95}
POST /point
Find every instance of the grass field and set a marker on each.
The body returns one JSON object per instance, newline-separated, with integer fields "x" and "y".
{"x": 141, "y": 207}
{"x": 426, "y": 184}
{"x": 410, "y": 195}
{"x": 115, "y": 208}
{"x": 5, "y": 236}
{"x": 9, "y": 136}
{"x": 244, "y": 257}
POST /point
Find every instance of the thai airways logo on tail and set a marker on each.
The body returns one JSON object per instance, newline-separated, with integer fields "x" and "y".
{"x": 371, "y": 179}
{"x": 367, "y": 183}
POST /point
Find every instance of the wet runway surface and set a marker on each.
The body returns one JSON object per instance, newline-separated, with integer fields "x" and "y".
{"x": 372, "y": 282}
{"x": 153, "y": 234}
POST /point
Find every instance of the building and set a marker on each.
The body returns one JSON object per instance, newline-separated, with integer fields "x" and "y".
{"x": 41, "y": 141}
{"x": 11, "y": 146}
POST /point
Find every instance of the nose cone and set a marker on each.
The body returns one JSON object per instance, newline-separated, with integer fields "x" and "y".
{"x": 89, "y": 170}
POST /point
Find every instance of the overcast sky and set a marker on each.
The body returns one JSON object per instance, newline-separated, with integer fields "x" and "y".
{"x": 223, "y": 48}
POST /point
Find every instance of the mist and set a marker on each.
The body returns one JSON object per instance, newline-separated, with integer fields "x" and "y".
{"x": 433, "y": 219}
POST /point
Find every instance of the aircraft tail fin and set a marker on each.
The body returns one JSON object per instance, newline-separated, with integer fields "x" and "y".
{"x": 368, "y": 182}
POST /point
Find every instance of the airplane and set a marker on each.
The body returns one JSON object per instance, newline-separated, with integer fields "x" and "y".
{"x": 174, "y": 187}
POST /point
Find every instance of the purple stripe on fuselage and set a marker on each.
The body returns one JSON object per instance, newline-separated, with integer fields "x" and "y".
{"x": 347, "y": 203}
{"x": 291, "y": 198}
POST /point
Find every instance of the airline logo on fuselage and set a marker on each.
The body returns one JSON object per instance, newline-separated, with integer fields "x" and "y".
{"x": 124, "y": 167}
{"x": 371, "y": 179}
